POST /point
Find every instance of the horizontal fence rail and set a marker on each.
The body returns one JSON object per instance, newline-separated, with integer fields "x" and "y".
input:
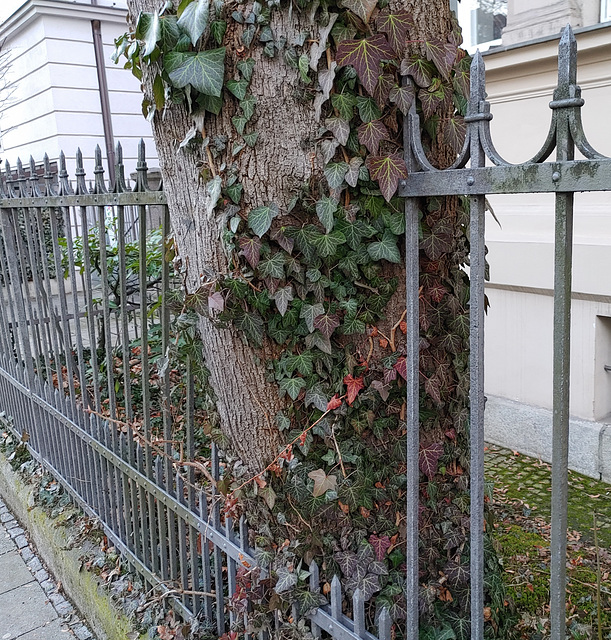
{"x": 78, "y": 369}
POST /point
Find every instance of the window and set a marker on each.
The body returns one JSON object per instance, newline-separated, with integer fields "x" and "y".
{"x": 482, "y": 22}
{"x": 605, "y": 10}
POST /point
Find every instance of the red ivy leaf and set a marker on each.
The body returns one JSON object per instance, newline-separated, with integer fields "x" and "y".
{"x": 385, "y": 83}
{"x": 387, "y": 170}
{"x": 454, "y": 132}
{"x": 353, "y": 386}
{"x": 286, "y": 243}
{"x": 251, "y": 250}
{"x": 365, "y": 56}
{"x": 371, "y": 134}
{"x": 438, "y": 240}
{"x": 402, "y": 97}
{"x": 430, "y": 101}
{"x": 442, "y": 54}
{"x": 420, "y": 70}
{"x": 390, "y": 375}
{"x": 334, "y": 403}
{"x": 461, "y": 79}
{"x": 401, "y": 367}
{"x": 326, "y": 324}
{"x": 395, "y": 25}
{"x": 428, "y": 458}
{"x": 380, "y": 545}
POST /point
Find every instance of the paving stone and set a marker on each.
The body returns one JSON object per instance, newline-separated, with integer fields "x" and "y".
{"x": 27, "y": 554}
{"x": 15, "y": 531}
{"x": 25, "y": 609}
{"x": 48, "y": 586}
{"x": 6, "y": 544}
{"x": 41, "y": 575}
{"x": 14, "y": 572}
{"x": 34, "y": 564}
{"x": 6, "y": 516}
{"x": 54, "y": 630}
{"x": 21, "y": 542}
{"x": 81, "y": 632}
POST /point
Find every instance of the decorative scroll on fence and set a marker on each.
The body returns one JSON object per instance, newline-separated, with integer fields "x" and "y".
{"x": 562, "y": 177}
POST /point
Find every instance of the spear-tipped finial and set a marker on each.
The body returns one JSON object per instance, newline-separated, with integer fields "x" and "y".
{"x": 567, "y": 57}
{"x": 98, "y": 158}
{"x": 119, "y": 186}
{"x": 81, "y": 187}
{"x": 64, "y": 184}
{"x": 48, "y": 177}
{"x": 79, "y": 161}
{"x": 478, "y": 80}
{"x": 141, "y": 169}
{"x": 34, "y": 178}
{"x": 119, "y": 153}
{"x": 98, "y": 171}
{"x": 62, "y": 165}
{"x": 20, "y": 173}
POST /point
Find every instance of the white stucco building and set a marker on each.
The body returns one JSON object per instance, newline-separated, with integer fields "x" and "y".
{"x": 521, "y": 74}
{"x": 67, "y": 92}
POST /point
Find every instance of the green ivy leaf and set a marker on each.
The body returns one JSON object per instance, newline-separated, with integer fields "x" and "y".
{"x": 251, "y": 138}
{"x": 292, "y": 386}
{"x": 148, "y": 30}
{"x": 252, "y": 325}
{"x": 365, "y": 56}
{"x": 385, "y": 249}
{"x": 234, "y": 191}
{"x": 239, "y": 122}
{"x": 387, "y": 171}
{"x": 194, "y": 19}
{"x": 169, "y": 33}
{"x": 319, "y": 341}
{"x": 248, "y": 34}
{"x": 203, "y": 71}
{"x": 286, "y": 580}
{"x": 238, "y": 88}
{"x": 260, "y": 219}
{"x": 362, "y": 8}
{"x": 212, "y": 104}
{"x": 352, "y": 325}
{"x": 354, "y": 232}
{"x": 248, "y": 106}
{"x": 245, "y": 67}
{"x": 339, "y": 127}
{"x": 354, "y": 171}
{"x": 273, "y": 267}
{"x": 341, "y": 32}
{"x": 309, "y": 312}
{"x": 218, "y": 29}
{"x": 368, "y": 109}
{"x": 371, "y": 134}
{"x": 316, "y": 397}
{"x": 395, "y": 26}
{"x": 326, "y": 244}
{"x": 303, "y": 362}
{"x": 304, "y": 66}
{"x": 325, "y": 208}
{"x": 335, "y": 172}
{"x": 282, "y": 297}
{"x": 158, "y": 92}
{"x": 395, "y": 222}
{"x": 344, "y": 103}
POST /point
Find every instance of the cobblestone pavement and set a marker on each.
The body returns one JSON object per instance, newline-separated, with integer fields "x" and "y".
{"x": 31, "y": 604}
{"x": 529, "y": 480}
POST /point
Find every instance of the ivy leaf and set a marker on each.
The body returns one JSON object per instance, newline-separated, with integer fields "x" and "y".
{"x": 347, "y": 562}
{"x": 273, "y": 267}
{"x": 234, "y": 191}
{"x": 304, "y": 65}
{"x": 248, "y": 104}
{"x": 251, "y": 250}
{"x": 385, "y": 83}
{"x": 355, "y": 232}
{"x": 341, "y": 32}
{"x": 454, "y": 132}
{"x": 383, "y": 390}
{"x": 260, "y": 219}
{"x": 238, "y": 88}
{"x": 339, "y": 127}
{"x": 204, "y": 71}
{"x": 326, "y": 244}
{"x": 282, "y": 297}
{"x": 369, "y": 585}
{"x": 169, "y": 33}
{"x": 365, "y": 56}
{"x": 319, "y": 341}
{"x": 309, "y": 312}
{"x": 158, "y": 92}
{"x": 430, "y": 100}
{"x": 194, "y": 19}
{"x": 402, "y": 97}
{"x": 387, "y": 171}
{"x": 316, "y": 397}
{"x": 292, "y": 386}
{"x": 401, "y": 367}
{"x": 395, "y": 26}
{"x": 335, "y": 172}
{"x": 353, "y": 386}
{"x": 286, "y": 580}
{"x": 213, "y": 104}
{"x": 303, "y": 362}
{"x": 428, "y": 458}
{"x": 325, "y": 208}
{"x": 461, "y": 79}
{"x": 352, "y": 325}
{"x": 344, "y": 103}
{"x": 326, "y": 323}
{"x": 149, "y": 30}
{"x": 368, "y": 109}
{"x": 251, "y": 138}
{"x": 380, "y": 545}
{"x": 458, "y": 574}
{"x": 286, "y": 243}
{"x": 385, "y": 249}
{"x": 371, "y": 134}
{"x": 218, "y": 29}
{"x": 438, "y": 240}
{"x": 216, "y": 302}
{"x": 420, "y": 70}
{"x": 362, "y": 8}
{"x": 322, "y": 482}
{"x": 442, "y": 54}
{"x": 352, "y": 175}
{"x": 252, "y": 325}
{"x": 245, "y": 67}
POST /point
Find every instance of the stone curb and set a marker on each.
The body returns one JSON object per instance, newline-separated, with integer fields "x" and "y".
{"x": 83, "y": 588}
{"x": 64, "y": 609}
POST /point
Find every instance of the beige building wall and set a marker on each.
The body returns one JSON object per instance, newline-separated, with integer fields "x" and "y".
{"x": 519, "y": 324}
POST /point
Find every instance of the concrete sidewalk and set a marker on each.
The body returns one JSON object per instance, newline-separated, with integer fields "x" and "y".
{"x": 31, "y": 606}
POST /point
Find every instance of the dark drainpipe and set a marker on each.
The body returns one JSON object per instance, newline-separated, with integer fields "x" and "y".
{"x": 104, "y": 99}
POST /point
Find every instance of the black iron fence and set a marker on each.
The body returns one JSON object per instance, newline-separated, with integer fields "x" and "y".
{"x": 86, "y": 368}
